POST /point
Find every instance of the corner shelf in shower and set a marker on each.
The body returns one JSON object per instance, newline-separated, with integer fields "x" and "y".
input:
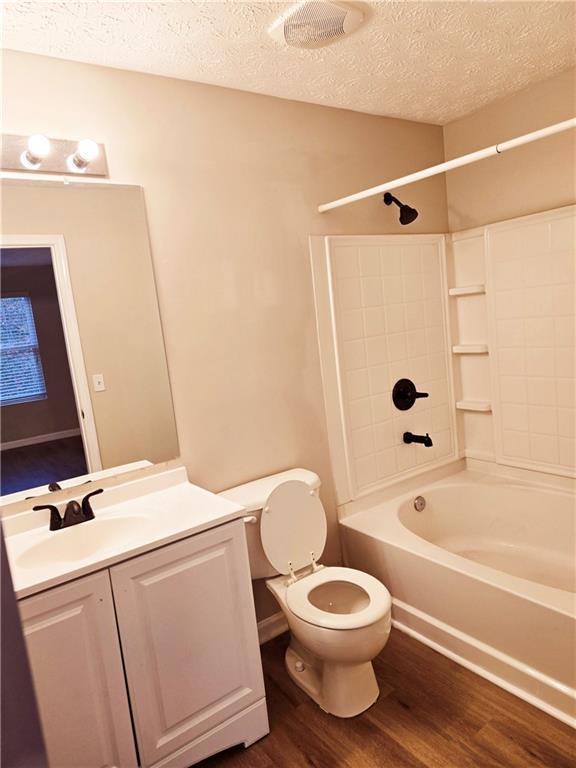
{"x": 470, "y": 349}
{"x": 467, "y": 290}
{"x": 481, "y": 406}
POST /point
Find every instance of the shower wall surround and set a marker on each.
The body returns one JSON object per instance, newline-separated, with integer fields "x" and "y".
{"x": 487, "y": 329}
{"x": 527, "y": 317}
{"x": 381, "y": 317}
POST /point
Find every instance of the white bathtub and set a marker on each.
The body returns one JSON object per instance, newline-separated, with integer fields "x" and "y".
{"x": 485, "y": 573}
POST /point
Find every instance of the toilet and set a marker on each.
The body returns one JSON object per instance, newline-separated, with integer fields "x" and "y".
{"x": 339, "y": 618}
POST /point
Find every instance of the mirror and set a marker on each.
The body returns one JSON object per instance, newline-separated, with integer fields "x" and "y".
{"x": 84, "y": 383}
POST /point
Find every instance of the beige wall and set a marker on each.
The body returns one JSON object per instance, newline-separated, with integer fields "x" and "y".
{"x": 112, "y": 280}
{"x": 532, "y": 178}
{"x": 57, "y": 411}
{"x": 232, "y": 182}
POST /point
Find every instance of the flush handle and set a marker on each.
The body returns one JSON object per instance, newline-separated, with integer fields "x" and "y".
{"x": 250, "y": 520}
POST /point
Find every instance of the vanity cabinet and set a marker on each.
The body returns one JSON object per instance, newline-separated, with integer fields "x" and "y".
{"x": 74, "y": 654}
{"x": 190, "y": 643}
{"x": 171, "y": 635}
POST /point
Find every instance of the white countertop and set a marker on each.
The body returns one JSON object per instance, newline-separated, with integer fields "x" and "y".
{"x": 131, "y": 518}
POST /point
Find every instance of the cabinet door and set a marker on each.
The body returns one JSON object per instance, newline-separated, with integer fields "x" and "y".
{"x": 189, "y": 637}
{"x": 74, "y": 653}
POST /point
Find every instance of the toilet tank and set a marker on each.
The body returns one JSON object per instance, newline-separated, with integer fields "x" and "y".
{"x": 253, "y": 496}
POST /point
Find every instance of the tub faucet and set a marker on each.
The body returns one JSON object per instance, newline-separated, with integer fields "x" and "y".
{"x": 424, "y": 440}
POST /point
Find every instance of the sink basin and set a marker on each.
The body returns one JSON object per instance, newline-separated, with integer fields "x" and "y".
{"x": 133, "y": 517}
{"x": 85, "y": 540}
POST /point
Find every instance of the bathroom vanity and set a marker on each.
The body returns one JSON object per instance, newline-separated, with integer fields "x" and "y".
{"x": 140, "y": 627}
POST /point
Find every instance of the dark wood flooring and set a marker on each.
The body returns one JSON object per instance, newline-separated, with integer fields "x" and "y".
{"x": 40, "y": 464}
{"x": 432, "y": 713}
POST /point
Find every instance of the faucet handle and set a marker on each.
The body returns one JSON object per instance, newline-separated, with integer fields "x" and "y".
{"x": 87, "y": 510}
{"x": 55, "y": 518}
{"x": 404, "y": 394}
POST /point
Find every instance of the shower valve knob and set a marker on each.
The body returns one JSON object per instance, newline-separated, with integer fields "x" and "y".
{"x": 404, "y": 394}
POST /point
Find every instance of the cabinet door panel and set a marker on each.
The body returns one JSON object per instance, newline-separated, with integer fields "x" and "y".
{"x": 188, "y": 632}
{"x": 74, "y": 653}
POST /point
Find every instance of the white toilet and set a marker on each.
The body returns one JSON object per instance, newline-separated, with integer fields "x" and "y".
{"x": 339, "y": 618}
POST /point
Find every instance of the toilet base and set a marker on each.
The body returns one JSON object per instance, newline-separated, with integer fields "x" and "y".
{"x": 343, "y": 690}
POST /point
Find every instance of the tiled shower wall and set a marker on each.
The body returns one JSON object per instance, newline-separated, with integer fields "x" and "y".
{"x": 389, "y": 321}
{"x": 527, "y": 318}
{"x": 531, "y": 289}
{"x": 510, "y": 378}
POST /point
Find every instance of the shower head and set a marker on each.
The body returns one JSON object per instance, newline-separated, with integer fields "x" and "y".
{"x": 407, "y": 214}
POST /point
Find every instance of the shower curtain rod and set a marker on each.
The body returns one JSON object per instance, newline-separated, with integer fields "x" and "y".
{"x": 473, "y": 157}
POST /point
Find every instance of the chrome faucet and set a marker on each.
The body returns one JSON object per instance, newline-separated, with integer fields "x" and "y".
{"x": 424, "y": 440}
{"x": 73, "y": 514}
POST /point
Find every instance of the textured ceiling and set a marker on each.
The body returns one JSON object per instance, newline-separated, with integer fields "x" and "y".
{"x": 427, "y": 61}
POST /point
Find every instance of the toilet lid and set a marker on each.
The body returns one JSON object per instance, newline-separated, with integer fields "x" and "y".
{"x": 292, "y": 526}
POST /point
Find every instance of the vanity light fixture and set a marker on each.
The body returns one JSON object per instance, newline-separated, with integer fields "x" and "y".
{"x": 38, "y": 148}
{"x": 40, "y": 154}
{"x": 86, "y": 152}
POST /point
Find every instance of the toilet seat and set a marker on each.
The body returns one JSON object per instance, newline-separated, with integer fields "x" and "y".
{"x": 298, "y": 601}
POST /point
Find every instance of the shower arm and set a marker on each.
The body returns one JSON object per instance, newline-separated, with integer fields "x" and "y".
{"x": 434, "y": 170}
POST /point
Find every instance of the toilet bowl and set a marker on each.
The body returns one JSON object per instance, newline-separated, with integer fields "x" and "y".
{"x": 339, "y": 618}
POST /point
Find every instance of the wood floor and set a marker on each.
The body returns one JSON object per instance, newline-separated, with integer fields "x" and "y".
{"x": 432, "y": 713}
{"x": 33, "y": 465}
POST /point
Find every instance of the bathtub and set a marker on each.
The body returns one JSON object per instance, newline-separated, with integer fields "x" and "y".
{"x": 485, "y": 574}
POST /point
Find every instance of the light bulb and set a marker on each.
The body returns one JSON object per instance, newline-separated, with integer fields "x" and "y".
{"x": 86, "y": 152}
{"x": 38, "y": 146}
{"x": 38, "y": 149}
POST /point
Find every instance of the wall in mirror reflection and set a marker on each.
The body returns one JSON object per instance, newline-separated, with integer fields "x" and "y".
{"x": 104, "y": 236}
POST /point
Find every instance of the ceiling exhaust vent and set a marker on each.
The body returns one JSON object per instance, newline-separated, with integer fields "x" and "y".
{"x": 313, "y": 23}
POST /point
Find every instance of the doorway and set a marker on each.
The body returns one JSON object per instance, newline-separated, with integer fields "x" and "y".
{"x": 46, "y": 434}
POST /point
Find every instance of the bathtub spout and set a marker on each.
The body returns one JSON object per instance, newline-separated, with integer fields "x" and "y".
{"x": 425, "y": 440}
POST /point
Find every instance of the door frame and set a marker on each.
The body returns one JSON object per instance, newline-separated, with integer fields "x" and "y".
{"x": 86, "y": 420}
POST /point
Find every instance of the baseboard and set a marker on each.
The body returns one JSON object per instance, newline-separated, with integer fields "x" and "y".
{"x": 271, "y": 627}
{"x": 35, "y": 439}
{"x": 519, "y": 679}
